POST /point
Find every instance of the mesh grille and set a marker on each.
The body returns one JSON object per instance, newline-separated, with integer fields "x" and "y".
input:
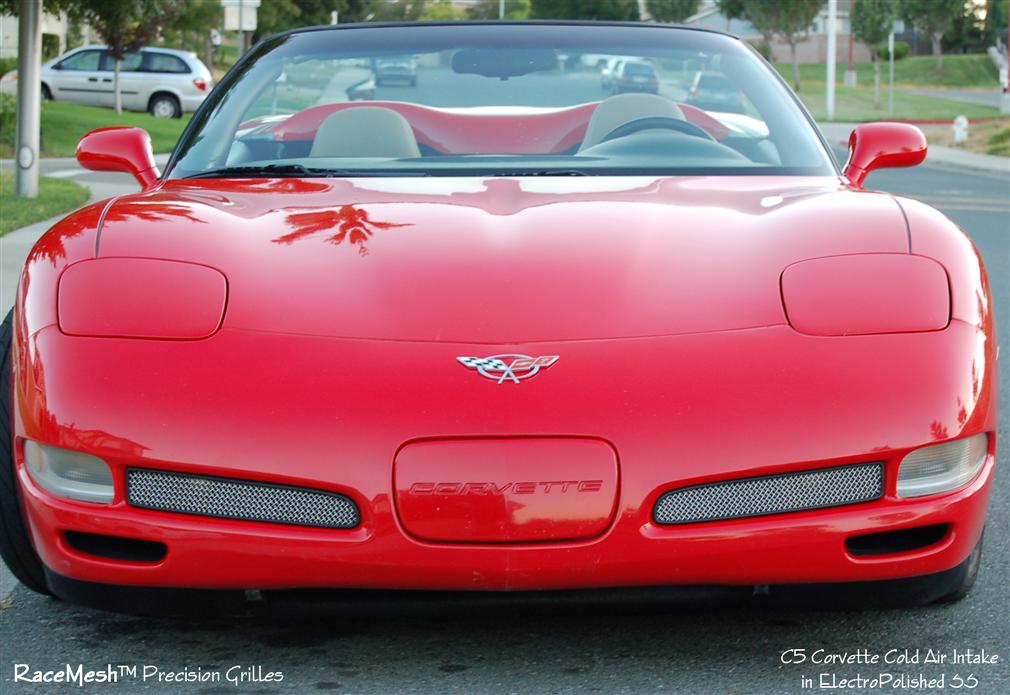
{"x": 773, "y": 494}
{"x": 238, "y": 499}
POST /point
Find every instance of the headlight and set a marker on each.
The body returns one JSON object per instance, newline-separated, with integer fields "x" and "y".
{"x": 69, "y": 474}
{"x": 141, "y": 298}
{"x": 942, "y": 467}
{"x": 865, "y": 294}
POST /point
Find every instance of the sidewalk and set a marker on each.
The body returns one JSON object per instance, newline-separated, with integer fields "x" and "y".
{"x": 837, "y": 135}
{"x": 15, "y": 245}
{"x": 67, "y": 166}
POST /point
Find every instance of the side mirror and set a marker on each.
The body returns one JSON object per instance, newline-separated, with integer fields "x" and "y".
{"x": 883, "y": 145}
{"x": 119, "y": 148}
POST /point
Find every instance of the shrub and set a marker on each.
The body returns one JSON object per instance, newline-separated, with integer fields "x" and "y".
{"x": 8, "y": 121}
{"x": 900, "y": 50}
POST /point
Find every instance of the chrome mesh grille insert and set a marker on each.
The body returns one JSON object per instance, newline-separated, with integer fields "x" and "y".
{"x": 229, "y": 498}
{"x": 773, "y": 494}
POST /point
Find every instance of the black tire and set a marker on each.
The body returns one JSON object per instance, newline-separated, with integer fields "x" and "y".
{"x": 969, "y": 574}
{"x": 15, "y": 547}
{"x": 46, "y": 94}
{"x": 164, "y": 106}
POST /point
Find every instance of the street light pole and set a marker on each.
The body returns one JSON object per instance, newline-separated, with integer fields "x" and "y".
{"x": 26, "y": 183}
{"x": 832, "y": 48}
{"x": 241, "y": 30}
{"x": 850, "y": 71}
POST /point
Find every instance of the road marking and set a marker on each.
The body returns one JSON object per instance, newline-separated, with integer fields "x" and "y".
{"x": 976, "y": 208}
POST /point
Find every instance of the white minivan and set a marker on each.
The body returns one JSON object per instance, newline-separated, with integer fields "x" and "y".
{"x": 162, "y": 81}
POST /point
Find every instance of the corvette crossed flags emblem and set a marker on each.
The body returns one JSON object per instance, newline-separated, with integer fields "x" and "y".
{"x": 502, "y": 368}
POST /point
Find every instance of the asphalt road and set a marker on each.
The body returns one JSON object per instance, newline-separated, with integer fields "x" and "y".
{"x": 669, "y": 647}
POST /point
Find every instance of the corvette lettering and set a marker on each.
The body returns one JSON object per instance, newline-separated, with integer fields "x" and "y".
{"x": 511, "y": 367}
{"x": 514, "y": 488}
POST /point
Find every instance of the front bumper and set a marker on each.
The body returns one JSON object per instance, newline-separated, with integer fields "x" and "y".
{"x": 291, "y": 410}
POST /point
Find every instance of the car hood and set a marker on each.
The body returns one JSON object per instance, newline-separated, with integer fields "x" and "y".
{"x": 502, "y": 260}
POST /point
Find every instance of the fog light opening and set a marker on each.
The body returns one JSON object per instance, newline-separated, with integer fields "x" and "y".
{"x": 891, "y": 542}
{"x": 116, "y": 547}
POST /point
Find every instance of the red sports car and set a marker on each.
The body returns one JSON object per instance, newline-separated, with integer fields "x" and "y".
{"x": 499, "y": 332}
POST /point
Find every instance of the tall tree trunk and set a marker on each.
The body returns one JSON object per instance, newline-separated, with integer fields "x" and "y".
{"x": 115, "y": 87}
{"x": 796, "y": 66}
{"x": 876, "y": 79}
{"x": 938, "y": 50}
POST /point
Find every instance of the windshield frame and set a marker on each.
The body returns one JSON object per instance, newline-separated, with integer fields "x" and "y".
{"x": 271, "y": 42}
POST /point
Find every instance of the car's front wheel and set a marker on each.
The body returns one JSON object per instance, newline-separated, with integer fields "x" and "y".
{"x": 165, "y": 106}
{"x": 15, "y": 547}
{"x": 46, "y": 94}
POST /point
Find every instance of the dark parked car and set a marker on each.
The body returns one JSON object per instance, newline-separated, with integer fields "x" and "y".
{"x": 634, "y": 76}
{"x": 715, "y": 92}
{"x": 400, "y": 69}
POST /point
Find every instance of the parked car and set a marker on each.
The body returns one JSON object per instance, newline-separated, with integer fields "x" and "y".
{"x": 397, "y": 345}
{"x": 634, "y": 76}
{"x": 713, "y": 91}
{"x": 397, "y": 69}
{"x": 607, "y": 71}
{"x": 162, "y": 81}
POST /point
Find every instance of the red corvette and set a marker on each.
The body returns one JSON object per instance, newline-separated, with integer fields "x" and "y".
{"x": 498, "y": 332}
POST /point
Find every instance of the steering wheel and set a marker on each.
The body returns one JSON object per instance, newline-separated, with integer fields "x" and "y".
{"x": 653, "y": 122}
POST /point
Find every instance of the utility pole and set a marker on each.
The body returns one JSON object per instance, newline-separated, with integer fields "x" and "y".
{"x": 850, "y": 72}
{"x": 26, "y": 184}
{"x": 832, "y": 49}
{"x": 1004, "y": 102}
{"x": 241, "y": 30}
{"x": 501, "y": 9}
{"x": 890, "y": 68}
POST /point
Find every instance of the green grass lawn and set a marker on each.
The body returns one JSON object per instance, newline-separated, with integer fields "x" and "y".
{"x": 855, "y": 104}
{"x": 55, "y": 196}
{"x": 63, "y": 125}
{"x": 999, "y": 143}
{"x": 972, "y": 70}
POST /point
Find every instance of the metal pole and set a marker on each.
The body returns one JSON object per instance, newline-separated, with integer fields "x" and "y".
{"x": 501, "y": 9}
{"x": 890, "y": 68}
{"x": 26, "y": 183}
{"x": 241, "y": 30}
{"x": 832, "y": 48}
{"x": 850, "y": 70}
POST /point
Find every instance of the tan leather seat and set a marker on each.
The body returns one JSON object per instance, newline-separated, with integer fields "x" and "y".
{"x": 365, "y": 131}
{"x": 624, "y": 108}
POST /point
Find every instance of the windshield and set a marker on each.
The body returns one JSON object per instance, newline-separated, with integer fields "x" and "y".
{"x": 500, "y": 99}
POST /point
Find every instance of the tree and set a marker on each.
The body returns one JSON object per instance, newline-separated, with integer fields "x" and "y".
{"x": 196, "y": 18}
{"x": 674, "y": 11}
{"x": 872, "y": 21}
{"x": 789, "y": 20}
{"x": 281, "y": 15}
{"x": 614, "y": 10}
{"x": 125, "y": 26}
{"x": 488, "y": 9}
{"x": 441, "y": 10}
{"x": 934, "y": 17}
{"x": 731, "y": 9}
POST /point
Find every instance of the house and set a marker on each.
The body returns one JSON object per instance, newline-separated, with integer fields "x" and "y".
{"x": 812, "y": 50}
